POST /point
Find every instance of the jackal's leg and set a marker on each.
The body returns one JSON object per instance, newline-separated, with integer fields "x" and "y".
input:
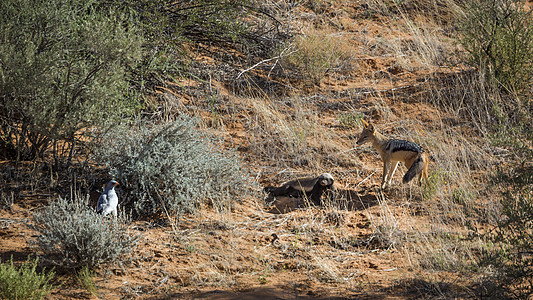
{"x": 386, "y": 166}
{"x": 394, "y": 165}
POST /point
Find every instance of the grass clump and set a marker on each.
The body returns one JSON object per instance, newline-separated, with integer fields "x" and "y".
{"x": 350, "y": 120}
{"x": 171, "y": 168}
{"x": 85, "y": 278}
{"x": 24, "y": 282}
{"x": 318, "y": 53}
{"x": 71, "y": 235}
{"x": 431, "y": 186}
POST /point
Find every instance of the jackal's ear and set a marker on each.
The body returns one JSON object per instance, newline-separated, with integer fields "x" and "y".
{"x": 367, "y": 125}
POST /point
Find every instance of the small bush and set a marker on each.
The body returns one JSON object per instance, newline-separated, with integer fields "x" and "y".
{"x": 72, "y": 235}
{"x": 497, "y": 36}
{"x": 462, "y": 196}
{"x": 24, "y": 282}
{"x": 171, "y": 167}
{"x": 350, "y": 120}
{"x": 432, "y": 185}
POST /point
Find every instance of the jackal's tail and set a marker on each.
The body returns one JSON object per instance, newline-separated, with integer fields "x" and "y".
{"x": 420, "y": 165}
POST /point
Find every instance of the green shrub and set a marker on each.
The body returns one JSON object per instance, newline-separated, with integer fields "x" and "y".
{"x": 72, "y": 235}
{"x": 511, "y": 241}
{"x": 171, "y": 167}
{"x": 24, "y": 282}
{"x": 350, "y": 120}
{"x": 431, "y": 186}
{"x": 70, "y": 66}
{"x": 63, "y": 69}
{"x": 498, "y": 36}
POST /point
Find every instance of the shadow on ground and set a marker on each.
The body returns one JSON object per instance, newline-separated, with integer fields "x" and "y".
{"x": 267, "y": 293}
{"x": 344, "y": 200}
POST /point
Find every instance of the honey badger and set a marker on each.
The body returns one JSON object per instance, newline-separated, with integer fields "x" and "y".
{"x": 310, "y": 188}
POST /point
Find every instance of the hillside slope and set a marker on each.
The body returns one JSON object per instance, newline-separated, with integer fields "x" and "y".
{"x": 393, "y": 65}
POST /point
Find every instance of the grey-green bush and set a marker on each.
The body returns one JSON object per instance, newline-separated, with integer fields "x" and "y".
{"x": 24, "y": 282}
{"x": 171, "y": 167}
{"x": 72, "y": 235}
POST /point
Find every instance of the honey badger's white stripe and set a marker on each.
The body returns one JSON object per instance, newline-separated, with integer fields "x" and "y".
{"x": 326, "y": 179}
{"x": 307, "y": 184}
{"x": 311, "y": 188}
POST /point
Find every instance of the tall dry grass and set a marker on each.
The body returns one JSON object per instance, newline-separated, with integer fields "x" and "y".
{"x": 292, "y": 132}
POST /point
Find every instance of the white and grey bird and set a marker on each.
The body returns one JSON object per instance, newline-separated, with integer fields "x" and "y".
{"x": 108, "y": 201}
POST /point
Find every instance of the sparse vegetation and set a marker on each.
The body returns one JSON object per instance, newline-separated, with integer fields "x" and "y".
{"x": 432, "y": 185}
{"x": 509, "y": 246}
{"x": 497, "y": 36}
{"x": 386, "y": 233}
{"x": 86, "y": 279}
{"x": 6, "y": 200}
{"x": 350, "y": 120}
{"x": 24, "y": 282}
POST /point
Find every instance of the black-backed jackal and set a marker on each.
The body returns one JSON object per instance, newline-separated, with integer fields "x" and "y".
{"x": 393, "y": 151}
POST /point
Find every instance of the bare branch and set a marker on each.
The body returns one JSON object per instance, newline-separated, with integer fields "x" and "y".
{"x": 267, "y": 60}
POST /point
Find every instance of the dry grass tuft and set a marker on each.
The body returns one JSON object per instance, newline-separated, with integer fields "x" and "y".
{"x": 318, "y": 53}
